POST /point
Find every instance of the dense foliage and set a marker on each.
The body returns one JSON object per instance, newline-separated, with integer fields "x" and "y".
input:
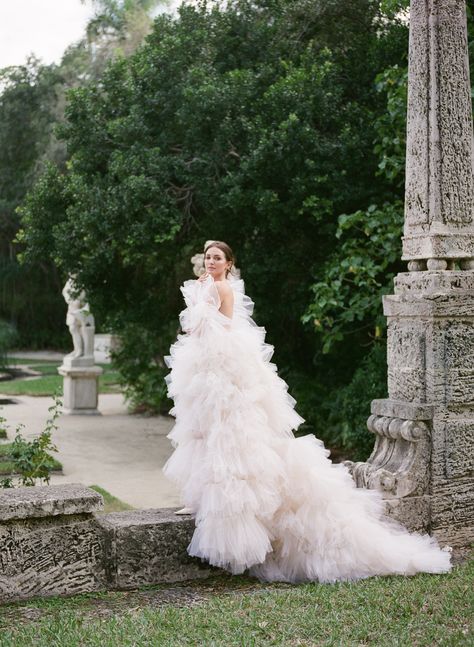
{"x": 275, "y": 125}
{"x": 32, "y": 100}
{"x": 29, "y": 297}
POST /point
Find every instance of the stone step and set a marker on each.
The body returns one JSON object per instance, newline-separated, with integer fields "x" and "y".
{"x": 54, "y": 542}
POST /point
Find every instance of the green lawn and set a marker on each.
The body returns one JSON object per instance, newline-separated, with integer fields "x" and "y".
{"x": 50, "y": 382}
{"x": 45, "y": 368}
{"x": 425, "y": 610}
{"x": 41, "y": 386}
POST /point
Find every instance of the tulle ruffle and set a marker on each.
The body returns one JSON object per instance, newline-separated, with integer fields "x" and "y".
{"x": 263, "y": 500}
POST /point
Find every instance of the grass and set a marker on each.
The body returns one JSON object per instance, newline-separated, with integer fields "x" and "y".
{"x": 42, "y": 386}
{"x": 424, "y": 610}
{"x": 22, "y": 361}
{"x": 50, "y": 382}
{"x": 45, "y": 368}
{"x": 111, "y": 503}
{"x": 7, "y": 467}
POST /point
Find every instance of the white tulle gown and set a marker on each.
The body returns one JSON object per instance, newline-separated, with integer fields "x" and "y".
{"x": 263, "y": 500}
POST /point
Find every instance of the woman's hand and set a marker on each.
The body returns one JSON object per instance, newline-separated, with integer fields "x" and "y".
{"x": 203, "y": 277}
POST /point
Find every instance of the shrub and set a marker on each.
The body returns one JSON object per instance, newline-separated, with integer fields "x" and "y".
{"x": 31, "y": 458}
{"x": 142, "y": 370}
{"x": 350, "y": 406}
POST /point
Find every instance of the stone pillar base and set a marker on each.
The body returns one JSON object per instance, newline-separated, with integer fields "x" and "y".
{"x": 413, "y": 512}
{"x": 423, "y": 457}
{"x": 80, "y": 389}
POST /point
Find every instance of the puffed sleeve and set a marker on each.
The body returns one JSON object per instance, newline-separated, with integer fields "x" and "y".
{"x": 202, "y": 303}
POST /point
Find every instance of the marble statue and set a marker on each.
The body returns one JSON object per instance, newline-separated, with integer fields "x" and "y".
{"x": 81, "y": 376}
{"x": 79, "y": 320}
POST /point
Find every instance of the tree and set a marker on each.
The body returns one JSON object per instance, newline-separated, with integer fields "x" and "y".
{"x": 28, "y": 92}
{"x": 117, "y": 29}
{"x": 27, "y": 101}
{"x": 32, "y": 102}
{"x": 252, "y": 122}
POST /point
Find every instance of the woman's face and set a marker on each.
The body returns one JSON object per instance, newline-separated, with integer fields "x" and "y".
{"x": 215, "y": 262}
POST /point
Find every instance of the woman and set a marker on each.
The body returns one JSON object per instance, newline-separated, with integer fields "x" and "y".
{"x": 263, "y": 500}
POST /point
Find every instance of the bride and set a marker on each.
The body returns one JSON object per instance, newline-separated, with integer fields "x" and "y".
{"x": 262, "y": 499}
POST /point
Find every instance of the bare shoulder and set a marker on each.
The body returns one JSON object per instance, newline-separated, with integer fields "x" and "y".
{"x": 224, "y": 289}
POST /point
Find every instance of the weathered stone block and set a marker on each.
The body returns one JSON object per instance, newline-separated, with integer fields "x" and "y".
{"x": 459, "y": 388}
{"x": 50, "y": 543}
{"x": 452, "y": 455}
{"x": 402, "y": 409}
{"x": 452, "y": 506}
{"x": 440, "y": 282}
{"x": 460, "y": 537}
{"x": 56, "y": 556}
{"x": 459, "y": 457}
{"x": 149, "y": 546}
{"x": 406, "y": 384}
{"x": 413, "y": 512}
{"x": 428, "y": 306}
{"x": 455, "y": 342}
{"x": 49, "y": 501}
{"x": 406, "y": 343}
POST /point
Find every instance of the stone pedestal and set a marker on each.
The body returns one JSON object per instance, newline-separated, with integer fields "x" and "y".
{"x": 423, "y": 459}
{"x": 80, "y": 386}
{"x": 143, "y": 547}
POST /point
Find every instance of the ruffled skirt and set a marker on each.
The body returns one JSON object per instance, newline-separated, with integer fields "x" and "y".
{"x": 263, "y": 500}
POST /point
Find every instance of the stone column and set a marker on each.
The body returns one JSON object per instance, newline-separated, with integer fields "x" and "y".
{"x": 423, "y": 459}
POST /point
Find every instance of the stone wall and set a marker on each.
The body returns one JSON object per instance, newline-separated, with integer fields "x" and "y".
{"x": 54, "y": 542}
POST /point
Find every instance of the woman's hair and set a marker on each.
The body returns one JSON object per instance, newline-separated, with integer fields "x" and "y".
{"x": 224, "y": 247}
